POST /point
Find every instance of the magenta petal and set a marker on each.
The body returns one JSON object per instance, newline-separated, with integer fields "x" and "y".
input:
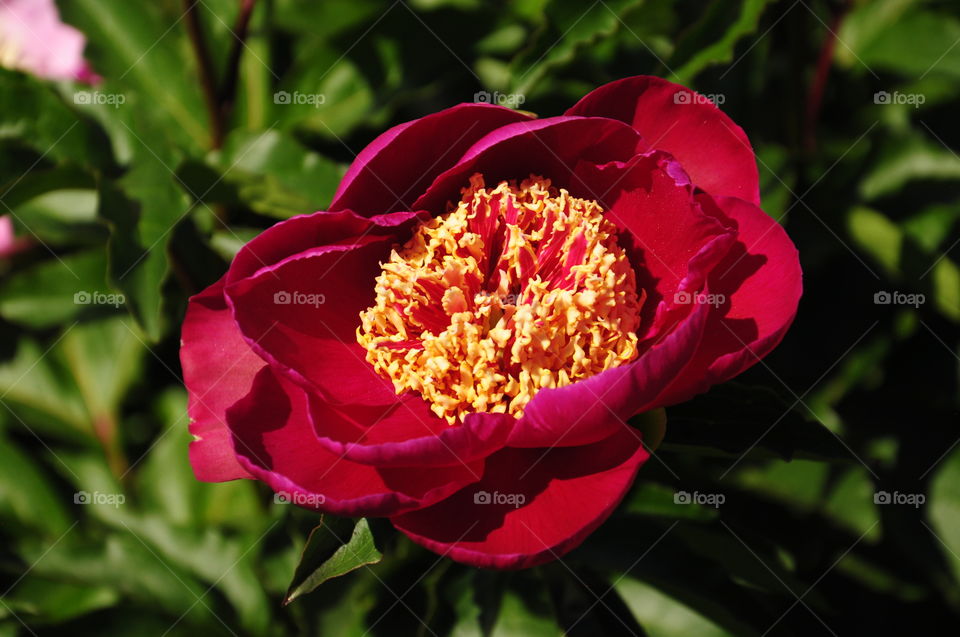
{"x": 300, "y": 312}
{"x": 550, "y": 147}
{"x": 712, "y": 149}
{"x": 566, "y": 494}
{"x": 406, "y": 432}
{"x": 395, "y": 169}
{"x": 595, "y": 408}
{"x": 275, "y": 442}
{"x": 762, "y": 282}
{"x": 218, "y": 370}
{"x": 306, "y": 232}
{"x": 301, "y": 316}
{"x": 669, "y": 237}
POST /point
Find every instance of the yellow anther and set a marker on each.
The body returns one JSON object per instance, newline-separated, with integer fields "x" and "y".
{"x": 515, "y": 289}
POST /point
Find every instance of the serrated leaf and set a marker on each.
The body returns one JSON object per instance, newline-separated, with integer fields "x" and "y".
{"x": 694, "y": 53}
{"x": 332, "y": 550}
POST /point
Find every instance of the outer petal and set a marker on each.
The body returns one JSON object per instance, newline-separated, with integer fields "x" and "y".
{"x": 550, "y": 147}
{"x": 218, "y": 369}
{"x": 762, "y": 282}
{"x": 670, "y": 239}
{"x": 306, "y": 232}
{"x": 397, "y": 166}
{"x": 275, "y": 442}
{"x": 334, "y": 257}
{"x": 713, "y": 150}
{"x": 566, "y": 492}
{"x": 301, "y": 316}
{"x": 595, "y": 408}
{"x": 406, "y": 432}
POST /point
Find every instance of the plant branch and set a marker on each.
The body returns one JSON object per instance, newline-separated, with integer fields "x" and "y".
{"x": 228, "y": 89}
{"x": 207, "y": 75}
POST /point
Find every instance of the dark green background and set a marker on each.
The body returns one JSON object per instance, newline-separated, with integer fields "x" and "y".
{"x": 134, "y": 199}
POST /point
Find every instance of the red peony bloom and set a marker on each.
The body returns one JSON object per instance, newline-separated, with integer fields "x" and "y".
{"x": 458, "y": 341}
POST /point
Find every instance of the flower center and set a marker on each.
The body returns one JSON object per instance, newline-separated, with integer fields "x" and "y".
{"x": 514, "y": 290}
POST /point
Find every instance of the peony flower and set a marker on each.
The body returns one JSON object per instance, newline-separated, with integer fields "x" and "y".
{"x": 459, "y": 341}
{"x": 34, "y": 40}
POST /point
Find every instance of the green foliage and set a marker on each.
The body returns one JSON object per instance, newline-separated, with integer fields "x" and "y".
{"x": 763, "y": 491}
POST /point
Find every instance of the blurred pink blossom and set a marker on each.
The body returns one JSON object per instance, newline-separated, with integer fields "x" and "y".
{"x": 34, "y": 40}
{"x": 9, "y": 243}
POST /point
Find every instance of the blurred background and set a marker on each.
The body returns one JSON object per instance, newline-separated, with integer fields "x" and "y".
{"x": 818, "y": 494}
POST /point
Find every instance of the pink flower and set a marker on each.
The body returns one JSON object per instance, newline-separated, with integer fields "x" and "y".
{"x": 458, "y": 342}
{"x": 10, "y": 244}
{"x": 34, "y": 40}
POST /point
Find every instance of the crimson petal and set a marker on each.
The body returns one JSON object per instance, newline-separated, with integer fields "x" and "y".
{"x": 550, "y": 147}
{"x": 275, "y": 442}
{"x": 712, "y": 149}
{"x": 218, "y": 369}
{"x": 761, "y": 281}
{"x": 567, "y": 493}
{"x": 396, "y": 167}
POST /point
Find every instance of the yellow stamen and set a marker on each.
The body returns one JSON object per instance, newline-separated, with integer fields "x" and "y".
{"x": 514, "y": 290}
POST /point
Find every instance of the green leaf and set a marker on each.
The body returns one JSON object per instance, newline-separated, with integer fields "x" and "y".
{"x": 41, "y": 602}
{"x": 733, "y": 419}
{"x": 332, "y": 550}
{"x": 891, "y": 36}
{"x": 29, "y": 380}
{"x": 570, "y": 30}
{"x": 34, "y": 115}
{"x": 909, "y": 160}
{"x": 59, "y": 290}
{"x": 663, "y": 616}
{"x": 944, "y": 508}
{"x": 712, "y": 40}
{"x": 145, "y": 60}
{"x": 277, "y": 176}
{"x": 27, "y": 496}
{"x": 141, "y": 211}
